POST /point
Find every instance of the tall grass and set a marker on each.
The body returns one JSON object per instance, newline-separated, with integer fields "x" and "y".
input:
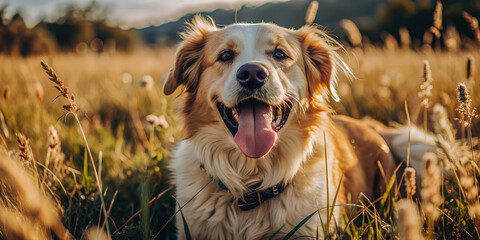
{"x": 131, "y": 127}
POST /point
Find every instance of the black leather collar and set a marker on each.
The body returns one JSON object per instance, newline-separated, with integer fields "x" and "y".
{"x": 254, "y": 197}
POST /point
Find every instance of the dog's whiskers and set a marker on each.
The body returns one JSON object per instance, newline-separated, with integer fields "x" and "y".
{"x": 292, "y": 97}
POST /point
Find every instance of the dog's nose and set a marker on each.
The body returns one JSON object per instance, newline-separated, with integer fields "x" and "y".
{"x": 252, "y": 75}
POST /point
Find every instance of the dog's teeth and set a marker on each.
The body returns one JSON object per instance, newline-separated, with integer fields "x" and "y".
{"x": 277, "y": 119}
{"x": 235, "y": 114}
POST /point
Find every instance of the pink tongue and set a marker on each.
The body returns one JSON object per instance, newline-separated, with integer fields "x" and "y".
{"x": 255, "y": 136}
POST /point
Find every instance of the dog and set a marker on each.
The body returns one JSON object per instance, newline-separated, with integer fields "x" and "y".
{"x": 262, "y": 150}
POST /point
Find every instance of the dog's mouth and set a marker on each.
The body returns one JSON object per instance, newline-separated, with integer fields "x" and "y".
{"x": 254, "y": 124}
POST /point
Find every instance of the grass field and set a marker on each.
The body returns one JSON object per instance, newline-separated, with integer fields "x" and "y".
{"x": 116, "y": 93}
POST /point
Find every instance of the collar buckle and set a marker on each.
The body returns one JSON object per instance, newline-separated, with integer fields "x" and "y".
{"x": 275, "y": 190}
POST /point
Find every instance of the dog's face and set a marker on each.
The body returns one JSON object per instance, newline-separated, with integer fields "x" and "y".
{"x": 250, "y": 78}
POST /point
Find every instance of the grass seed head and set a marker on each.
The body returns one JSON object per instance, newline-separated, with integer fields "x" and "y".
{"x": 465, "y": 107}
{"x": 426, "y": 87}
{"x": 410, "y": 182}
{"x": 391, "y": 43}
{"x": 60, "y": 86}
{"x": 431, "y": 183}
{"x": 441, "y": 124}
{"x": 438, "y": 16}
{"x": 53, "y": 140}
{"x": 353, "y": 33}
{"x": 55, "y": 156}
{"x": 52, "y": 76}
{"x": 311, "y": 12}
{"x": 24, "y": 149}
{"x": 409, "y": 222}
{"x": 473, "y": 23}
{"x": 469, "y": 186}
{"x": 405, "y": 38}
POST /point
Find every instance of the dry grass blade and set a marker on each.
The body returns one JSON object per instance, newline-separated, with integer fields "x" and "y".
{"x": 140, "y": 211}
{"x": 29, "y": 198}
{"x": 14, "y": 225}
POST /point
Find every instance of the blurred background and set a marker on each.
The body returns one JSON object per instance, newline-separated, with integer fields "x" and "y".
{"x": 48, "y": 26}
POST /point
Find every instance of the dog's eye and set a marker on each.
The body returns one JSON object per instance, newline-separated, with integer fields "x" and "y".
{"x": 279, "y": 54}
{"x": 226, "y": 56}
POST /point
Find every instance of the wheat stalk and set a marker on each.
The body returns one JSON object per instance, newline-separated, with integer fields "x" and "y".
{"x": 72, "y": 107}
{"x": 24, "y": 149}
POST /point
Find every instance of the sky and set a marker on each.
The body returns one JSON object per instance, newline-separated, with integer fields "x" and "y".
{"x": 126, "y": 13}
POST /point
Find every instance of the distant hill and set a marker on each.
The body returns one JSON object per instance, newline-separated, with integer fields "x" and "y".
{"x": 287, "y": 14}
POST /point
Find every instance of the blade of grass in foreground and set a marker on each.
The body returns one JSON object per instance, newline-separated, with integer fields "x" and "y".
{"x": 276, "y": 232}
{"x": 295, "y": 229}
{"x": 188, "y": 236}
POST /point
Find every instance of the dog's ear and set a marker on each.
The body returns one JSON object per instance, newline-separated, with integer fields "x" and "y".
{"x": 321, "y": 61}
{"x": 188, "y": 59}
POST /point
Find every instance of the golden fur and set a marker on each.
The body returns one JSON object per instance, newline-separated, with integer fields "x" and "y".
{"x": 311, "y": 146}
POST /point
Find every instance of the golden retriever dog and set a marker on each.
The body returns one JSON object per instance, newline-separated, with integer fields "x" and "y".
{"x": 261, "y": 149}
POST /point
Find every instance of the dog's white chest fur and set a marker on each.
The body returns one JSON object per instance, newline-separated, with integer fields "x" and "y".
{"x": 214, "y": 214}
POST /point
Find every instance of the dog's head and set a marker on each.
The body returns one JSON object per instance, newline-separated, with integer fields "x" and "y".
{"x": 251, "y": 78}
